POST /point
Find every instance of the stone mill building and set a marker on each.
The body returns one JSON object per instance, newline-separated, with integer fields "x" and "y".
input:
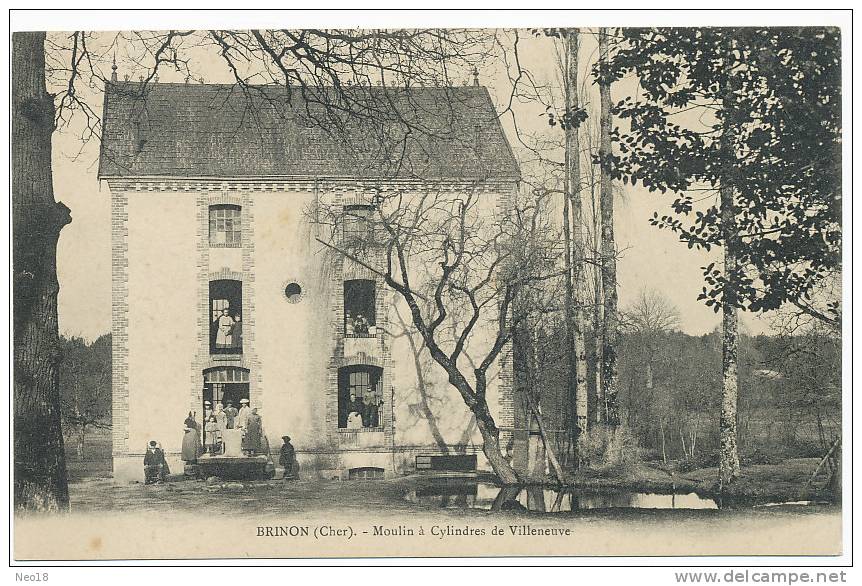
{"x": 224, "y": 287}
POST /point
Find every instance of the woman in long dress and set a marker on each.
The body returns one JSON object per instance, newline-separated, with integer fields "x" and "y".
{"x": 191, "y": 445}
{"x": 251, "y": 441}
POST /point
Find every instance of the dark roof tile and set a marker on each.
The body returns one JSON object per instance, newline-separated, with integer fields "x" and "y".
{"x": 205, "y": 130}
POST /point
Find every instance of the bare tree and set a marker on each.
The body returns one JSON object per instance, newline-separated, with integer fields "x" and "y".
{"x": 651, "y": 312}
{"x": 449, "y": 249}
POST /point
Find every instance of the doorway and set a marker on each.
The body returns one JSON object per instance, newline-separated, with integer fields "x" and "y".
{"x": 227, "y": 385}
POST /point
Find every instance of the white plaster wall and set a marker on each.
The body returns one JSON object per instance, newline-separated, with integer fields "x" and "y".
{"x": 162, "y": 325}
{"x": 450, "y": 413}
{"x": 292, "y": 340}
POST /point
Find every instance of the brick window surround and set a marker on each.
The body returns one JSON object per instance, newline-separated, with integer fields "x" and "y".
{"x": 225, "y": 226}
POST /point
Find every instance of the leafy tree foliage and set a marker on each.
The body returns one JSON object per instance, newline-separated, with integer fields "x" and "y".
{"x": 777, "y": 93}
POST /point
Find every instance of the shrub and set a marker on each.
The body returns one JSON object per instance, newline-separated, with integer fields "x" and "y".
{"x": 608, "y": 450}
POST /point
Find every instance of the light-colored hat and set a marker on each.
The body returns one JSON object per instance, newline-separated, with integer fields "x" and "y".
{"x": 243, "y": 400}
{"x": 207, "y": 403}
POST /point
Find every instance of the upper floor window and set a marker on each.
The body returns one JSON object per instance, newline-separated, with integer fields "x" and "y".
{"x": 360, "y": 315}
{"x": 358, "y": 224}
{"x": 225, "y": 317}
{"x": 226, "y": 226}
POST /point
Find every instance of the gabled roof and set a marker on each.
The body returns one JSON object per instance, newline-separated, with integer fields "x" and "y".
{"x": 206, "y": 130}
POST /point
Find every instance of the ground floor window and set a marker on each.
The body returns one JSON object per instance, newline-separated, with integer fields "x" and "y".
{"x": 360, "y": 397}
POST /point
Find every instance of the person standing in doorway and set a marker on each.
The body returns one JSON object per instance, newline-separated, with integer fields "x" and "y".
{"x": 224, "y": 328}
{"x": 231, "y": 413}
{"x": 211, "y": 429}
{"x": 242, "y": 416}
{"x": 221, "y": 417}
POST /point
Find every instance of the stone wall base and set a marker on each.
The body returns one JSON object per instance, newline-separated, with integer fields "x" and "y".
{"x": 327, "y": 465}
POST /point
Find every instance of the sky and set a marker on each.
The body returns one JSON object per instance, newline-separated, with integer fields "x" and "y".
{"x": 649, "y": 258}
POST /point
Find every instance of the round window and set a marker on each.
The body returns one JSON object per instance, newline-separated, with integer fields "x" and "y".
{"x": 293, "y": 292}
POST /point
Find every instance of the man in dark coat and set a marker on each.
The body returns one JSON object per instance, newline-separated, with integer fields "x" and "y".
{"x": 154, "y": 464}
{"x": 231, "y": 412}
{"x": 288, "y": 459}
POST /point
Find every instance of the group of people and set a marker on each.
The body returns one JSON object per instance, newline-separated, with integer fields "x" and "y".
{"x": 245, "y": 418}
{"x": 363, "y": 412}
{"x": 254, "y": 441}
{"x": 357, "y": 325}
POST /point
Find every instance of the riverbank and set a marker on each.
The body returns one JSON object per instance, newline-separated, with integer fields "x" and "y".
{"x": 757, "y": 484}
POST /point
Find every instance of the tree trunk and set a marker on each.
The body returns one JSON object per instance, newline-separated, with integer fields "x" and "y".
{"x": 40, "y": 465}
{"x": 610, "y": 323}
{"x": 601, "y": 414}
{"x": 663, "y": 443}
{"x": 549, "y": 448}
{"x": 491, "y": 447}
{"x": 728, "y": 463}
{"x": 569, "y": 301}
{"x": 685, "y": 453}
{"x": 573, "y": 194}
{"x": 82, "y": 438}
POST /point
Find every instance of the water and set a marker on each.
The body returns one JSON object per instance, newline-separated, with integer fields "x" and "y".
{"x": 483, "y": 496}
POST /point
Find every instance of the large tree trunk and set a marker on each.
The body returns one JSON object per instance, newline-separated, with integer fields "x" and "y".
{"x": 728, "y": 464}
{"x": 40, "y": 465}
{"x": 569, "y": 301}
{"x": 573, "y": 193}
{"x": 728, "y": 458}
{"x": 491, "y": 446}
{"x": 610, "y": 323}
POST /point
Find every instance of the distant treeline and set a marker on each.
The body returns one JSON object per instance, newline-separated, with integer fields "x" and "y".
{"x": 85, "y": 389}
{"x": 670, "y": 390}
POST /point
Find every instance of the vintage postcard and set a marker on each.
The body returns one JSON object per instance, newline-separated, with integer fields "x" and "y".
{"x": 295, "y": 292}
